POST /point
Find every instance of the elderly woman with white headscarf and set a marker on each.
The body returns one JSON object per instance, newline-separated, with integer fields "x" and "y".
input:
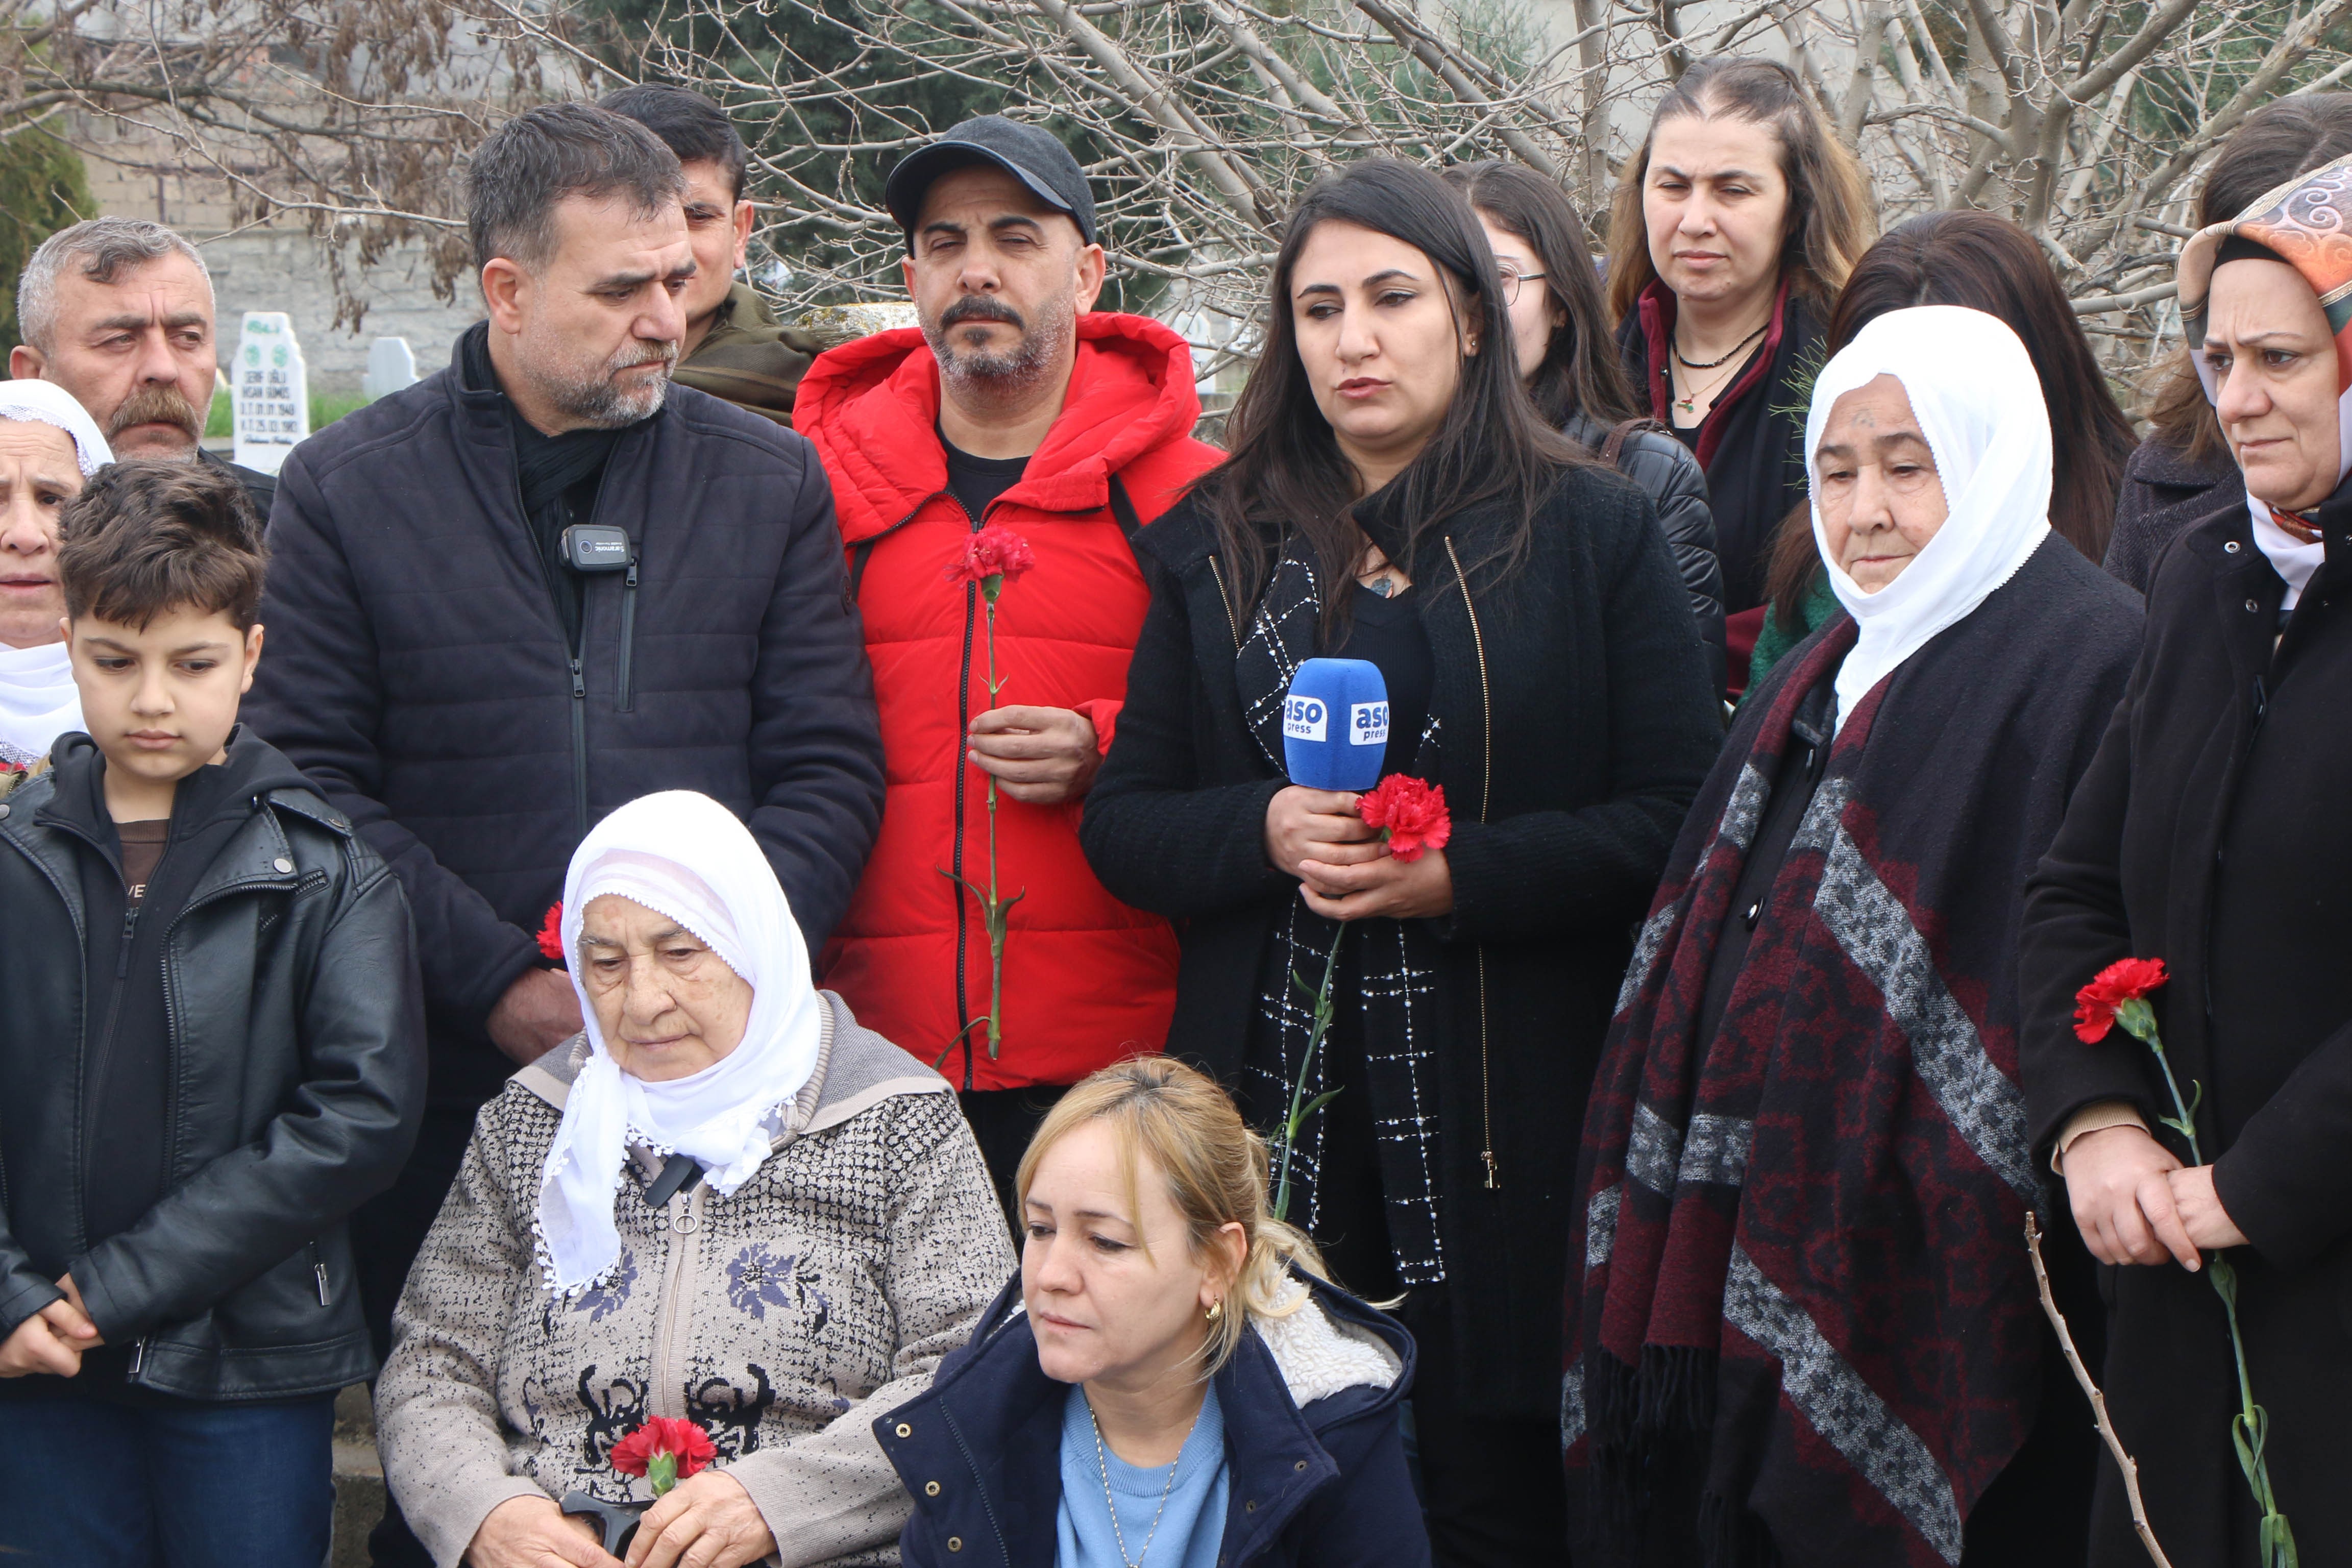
{"x": 725, "y": 1221}
{"x": 48, "y": 445}
{"x": 2212, "y": 832}
{"x": 1806, "y": 1330}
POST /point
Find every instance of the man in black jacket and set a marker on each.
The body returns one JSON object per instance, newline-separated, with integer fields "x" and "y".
{"x": 544, "y": 582}
{"x": 215, "y": 1050}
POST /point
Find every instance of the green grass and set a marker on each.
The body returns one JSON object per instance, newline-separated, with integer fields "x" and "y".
{"x": 326, "y": 407}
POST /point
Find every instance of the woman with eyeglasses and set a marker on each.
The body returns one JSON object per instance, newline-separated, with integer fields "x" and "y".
{"x": 1560, "y": 334}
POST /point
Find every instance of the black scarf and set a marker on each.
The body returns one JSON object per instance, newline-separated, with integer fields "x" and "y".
{"x": 549, "y": 468}
{"x": 1396, "y": 961}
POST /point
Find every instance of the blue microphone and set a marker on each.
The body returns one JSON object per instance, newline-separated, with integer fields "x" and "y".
{"x": 1335, "y": 724}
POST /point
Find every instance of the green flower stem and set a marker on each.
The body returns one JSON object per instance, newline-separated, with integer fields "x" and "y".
{"x": 996, "y": 912}
{"x": 661, "y": 1472}
{"x": 2250, "y": 1428}
{"x": 1300, "y": 1113}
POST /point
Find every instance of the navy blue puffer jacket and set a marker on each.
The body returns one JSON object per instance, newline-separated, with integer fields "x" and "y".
{"x": 1318, "y": 1485}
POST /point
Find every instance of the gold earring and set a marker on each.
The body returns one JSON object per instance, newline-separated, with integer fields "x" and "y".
{"x": 1216, "y": 1311}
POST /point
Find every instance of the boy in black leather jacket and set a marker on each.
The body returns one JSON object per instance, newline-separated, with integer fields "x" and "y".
{"x": 214, "y": 1048}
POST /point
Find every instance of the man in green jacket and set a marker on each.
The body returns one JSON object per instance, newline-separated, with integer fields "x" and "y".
{"x": 734, "y": 346}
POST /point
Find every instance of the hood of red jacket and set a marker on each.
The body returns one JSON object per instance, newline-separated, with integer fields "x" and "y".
{"x": 872, "y": 409}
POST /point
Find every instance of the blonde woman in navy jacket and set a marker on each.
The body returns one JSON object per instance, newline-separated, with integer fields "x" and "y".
{"x": 1169, "y": 1379}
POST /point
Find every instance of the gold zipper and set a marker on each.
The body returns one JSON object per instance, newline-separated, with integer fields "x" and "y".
{"x": 1486, "y": 801}
{"x": 1226, "y": 599}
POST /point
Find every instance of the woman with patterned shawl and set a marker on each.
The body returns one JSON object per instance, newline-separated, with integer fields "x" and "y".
{"x": 2211, "y": 833}
{"x": 1806, "y": 1331}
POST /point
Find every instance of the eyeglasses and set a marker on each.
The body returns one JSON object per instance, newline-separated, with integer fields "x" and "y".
{"x": 1511, "y": 281}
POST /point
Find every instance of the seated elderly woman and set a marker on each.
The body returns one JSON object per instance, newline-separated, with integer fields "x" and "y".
{"x": 723, "y": 1204}
{"x": 1171, "y": 1380}
{"x": 48, "y": 444}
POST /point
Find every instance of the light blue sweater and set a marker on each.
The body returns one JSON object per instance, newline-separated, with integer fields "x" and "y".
{"x": 1190, "y": 1529}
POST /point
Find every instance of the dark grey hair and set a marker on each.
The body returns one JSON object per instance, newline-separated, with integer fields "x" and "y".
{"x": 534, "y": 160}
{"x": 106, "y": 247}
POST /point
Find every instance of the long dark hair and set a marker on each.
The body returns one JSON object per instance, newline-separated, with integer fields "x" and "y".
{"x": 1580, "y": 370}
{"x": 1282, "y": 469}
{"x": 1987, "y": 264}
{"x": 1831, "y": 216}
{"x": 2277, "y": 141}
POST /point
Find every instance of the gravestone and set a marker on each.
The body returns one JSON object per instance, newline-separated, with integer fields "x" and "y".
{"x": 272, "y": 392}
{"x": 389, "y": 368}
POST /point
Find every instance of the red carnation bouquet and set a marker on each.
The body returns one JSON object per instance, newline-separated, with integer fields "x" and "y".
{"x": 2117, "y": 996}
{"x": 665, "y": 1450}
{"x": 1411, "y": 817}
{"x": 992, "y": 557}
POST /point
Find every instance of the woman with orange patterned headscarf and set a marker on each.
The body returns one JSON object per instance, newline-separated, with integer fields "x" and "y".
{"x": 2210, "y": 833}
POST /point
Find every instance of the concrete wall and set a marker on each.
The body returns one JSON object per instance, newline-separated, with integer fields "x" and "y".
{"x": 274, "y": 266}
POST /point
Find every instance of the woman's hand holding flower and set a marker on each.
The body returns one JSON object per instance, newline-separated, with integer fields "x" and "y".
{"x": 1398, "y": 889}
{"x": 707, "y": 1521}
{"x": 1409, "y": 878}
{"x": 532, "y": 1532}
{"x": 2208, "y": 1223}
{"x": 2120, "y": 1182}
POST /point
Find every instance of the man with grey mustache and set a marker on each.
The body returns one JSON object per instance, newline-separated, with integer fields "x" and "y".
{"x": 118, "y": 312}
{"x": 539, "y": 583}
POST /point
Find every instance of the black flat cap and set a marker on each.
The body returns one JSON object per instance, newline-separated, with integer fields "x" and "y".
{"x": 1030, "y": 154}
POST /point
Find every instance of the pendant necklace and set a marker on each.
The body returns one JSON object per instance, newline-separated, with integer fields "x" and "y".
{"x": 1690, "y": 403}
{"x": 1102, "y": 1468}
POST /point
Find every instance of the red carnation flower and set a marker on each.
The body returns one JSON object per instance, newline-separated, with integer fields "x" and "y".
{"x": 550, "y": 931}
{"x": 1411, "y": 813}
{"x": 991, "y": 558}
{"x": 2118, "y": 995}
{"x": 666, "y": 1450}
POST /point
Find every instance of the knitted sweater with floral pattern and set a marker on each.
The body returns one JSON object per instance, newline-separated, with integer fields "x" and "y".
{"x": 782, "y": 1319}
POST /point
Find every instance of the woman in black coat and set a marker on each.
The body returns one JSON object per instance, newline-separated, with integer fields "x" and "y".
{"x": 2184, "y": 472}
{"x": 2210, "y": 833}
{"x": 1543, "y": 668}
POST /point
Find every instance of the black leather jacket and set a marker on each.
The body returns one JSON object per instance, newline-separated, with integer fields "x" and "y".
{"x": 297, "y": 1052}
{"x": 1671, "y": 476}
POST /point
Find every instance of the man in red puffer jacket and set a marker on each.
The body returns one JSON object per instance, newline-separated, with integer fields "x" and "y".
{"x": 1012, "y": 404}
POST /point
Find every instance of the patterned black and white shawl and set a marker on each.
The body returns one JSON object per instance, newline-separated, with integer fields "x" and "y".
{"x": 1395, "y": 961}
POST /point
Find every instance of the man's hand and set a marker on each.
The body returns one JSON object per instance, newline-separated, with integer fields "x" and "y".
{"x": 51, "y": 1340}
{"x": 538, "y": 1013}
{"x": 532, "y": 1532}
{"x": 1400, "y": 889}
{"x": 2201, "y": 1215}
{"x": 1040, "y": 755}
{"x": 2119, "y": 1184}
{"x": 707, "y": 1521}
{"x": 1319, "y": 826}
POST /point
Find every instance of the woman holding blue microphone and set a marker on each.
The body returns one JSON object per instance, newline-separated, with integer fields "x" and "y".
{"x": 1392, "y": 498}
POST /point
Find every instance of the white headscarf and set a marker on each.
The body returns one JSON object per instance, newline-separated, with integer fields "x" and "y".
{"x": 46, "y": 403}
{"x": 686, "y": 856}
{"x": 39, "y": 701}
{"x": 1979, "y": 404}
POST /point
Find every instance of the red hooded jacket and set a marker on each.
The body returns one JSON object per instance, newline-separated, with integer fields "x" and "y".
{"x": 1087, "y": 979}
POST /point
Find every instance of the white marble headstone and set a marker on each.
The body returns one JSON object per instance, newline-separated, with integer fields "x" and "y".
{"x": 391, "y": 367}
{"x": 271, "y": 391}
